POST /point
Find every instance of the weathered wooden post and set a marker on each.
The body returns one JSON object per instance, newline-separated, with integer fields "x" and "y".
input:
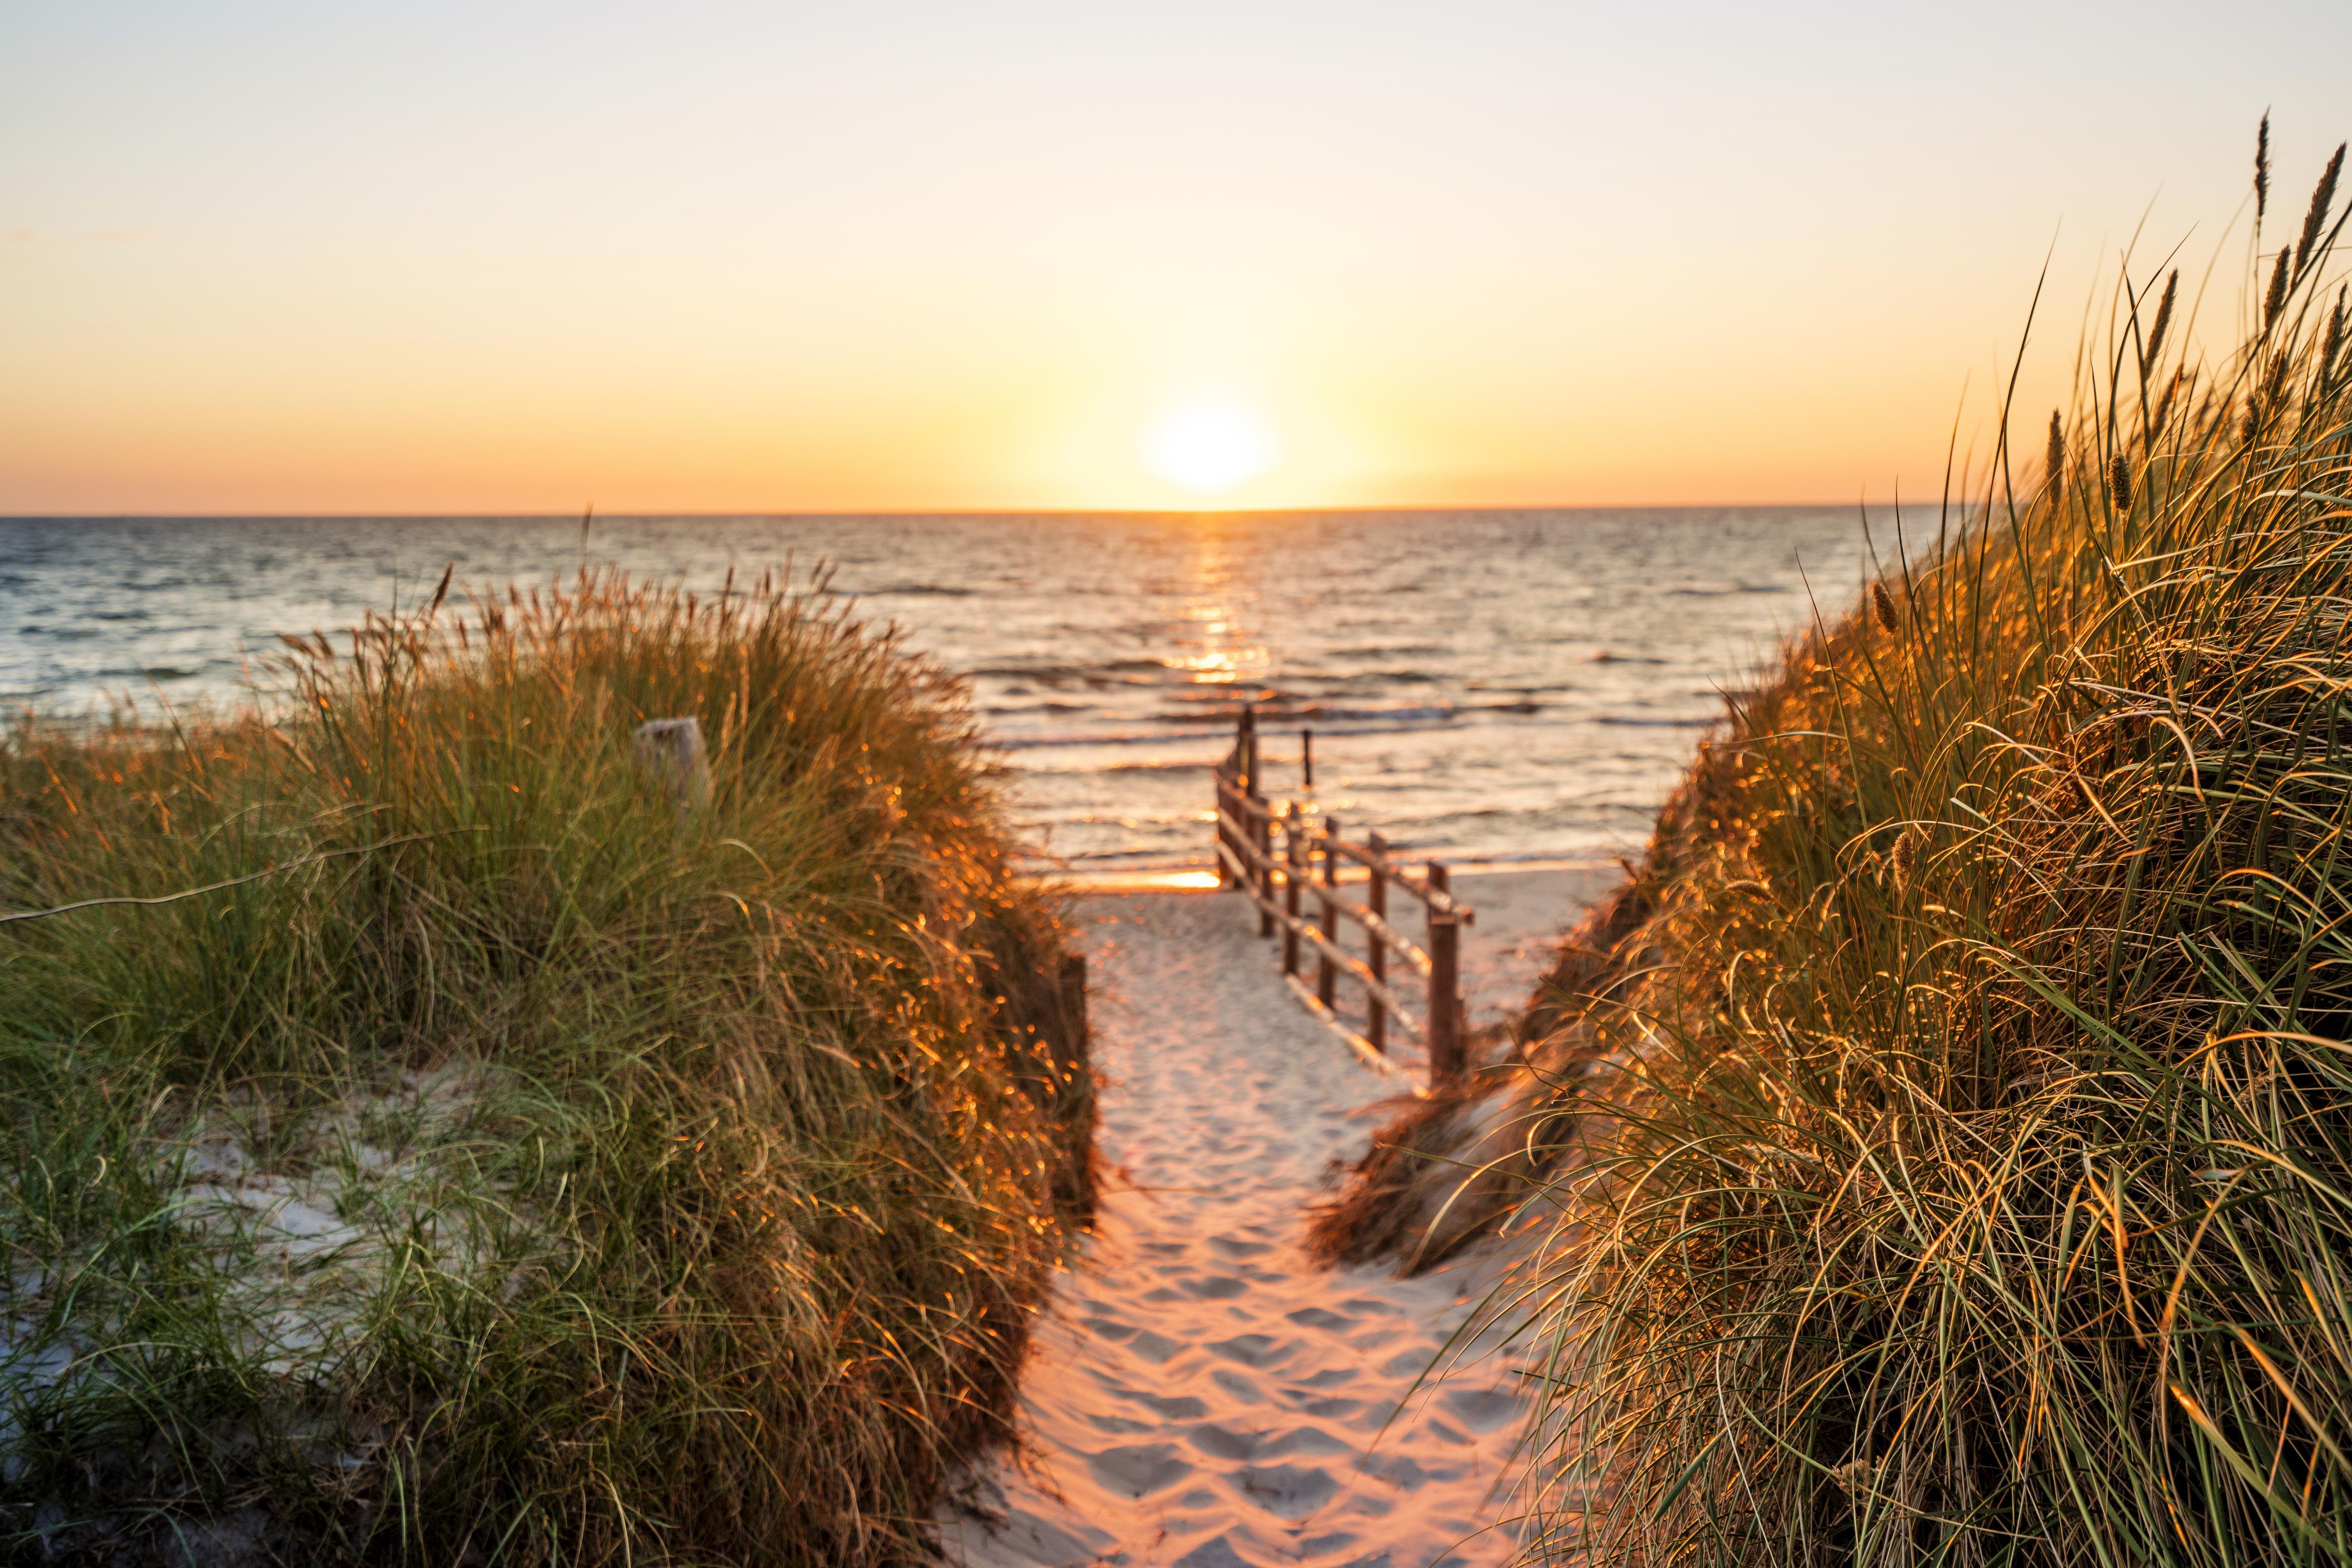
{"x": 1250, "y": 782}
{"x": 1072, "y": 1098}
{"x": 1223, "y": 835}
{"x": 1229, "y": 774}
{"x": 1292, "y": 863}
{"x": 1444, "y": 982}
{"x": 1376, "y": 954}
{"x": 1261, "y": 833}
{"x": 671, "y": 750}
{"x": 1327, "y": 973}
{"x": 1074, "y": 986}
{"x": 1306, "y": 757}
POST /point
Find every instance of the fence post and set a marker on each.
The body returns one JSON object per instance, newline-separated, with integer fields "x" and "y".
{"x": 1249, "y": 781}
{"x": 1223, "y": 835}
{"x": 1444, "y": 985}
{"x": 1326, "y": 974}
{"x": 672, "y": 750}
{"x": 1290, "y": 868}
{"x": 1376, "y": 954}
{"x": 1073, "y": 998}
{"x": 1226, "y": 772}
{"x": 1261, "y": 833}
{"x": 1306, "y": 757}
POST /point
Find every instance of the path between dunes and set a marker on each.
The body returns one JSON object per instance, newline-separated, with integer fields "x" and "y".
{"x": 1201, "y": 1393}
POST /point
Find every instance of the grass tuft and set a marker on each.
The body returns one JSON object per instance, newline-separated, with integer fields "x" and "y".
{"x": 2314, "y": 222}
{"x": 512, "y": 1157}
{"x": 1946, "y": 1138}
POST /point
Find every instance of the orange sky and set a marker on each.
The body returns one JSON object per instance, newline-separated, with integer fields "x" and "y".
{"x": 522, "y": 259}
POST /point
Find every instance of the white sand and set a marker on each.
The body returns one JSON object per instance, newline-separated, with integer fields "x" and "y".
{"x": 383, "y": 1184}
{"x": 308, "y": 1252}
{"x": 1201, "y": 1393}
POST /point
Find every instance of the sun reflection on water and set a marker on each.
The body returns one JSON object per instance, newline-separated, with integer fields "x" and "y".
{"x": 1217, "y": 646}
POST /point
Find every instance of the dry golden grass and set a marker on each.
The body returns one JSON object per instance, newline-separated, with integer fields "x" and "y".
{"x": 1953, "y": 1161}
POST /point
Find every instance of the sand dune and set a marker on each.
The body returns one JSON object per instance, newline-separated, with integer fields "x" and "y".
{"x": 1201, "y": 1393}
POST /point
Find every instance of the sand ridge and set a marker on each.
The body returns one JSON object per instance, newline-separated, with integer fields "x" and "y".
{"x": 1201, "y": 1393}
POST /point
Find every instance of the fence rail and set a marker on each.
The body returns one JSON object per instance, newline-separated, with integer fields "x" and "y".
{"x": 1308, "y": 866}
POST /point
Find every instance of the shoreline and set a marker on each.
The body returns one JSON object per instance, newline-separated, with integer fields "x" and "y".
{"x": 1203, "y": 878}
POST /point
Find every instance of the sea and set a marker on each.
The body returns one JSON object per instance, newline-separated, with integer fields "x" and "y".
{"x": 1487, "y": 687}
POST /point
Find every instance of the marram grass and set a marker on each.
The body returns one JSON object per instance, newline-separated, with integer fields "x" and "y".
{"x": 685, "y": 1183}
{"x": 1951, "y": 1128}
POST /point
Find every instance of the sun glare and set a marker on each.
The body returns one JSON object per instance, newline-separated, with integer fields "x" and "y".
{"x": 1209, "y": 446}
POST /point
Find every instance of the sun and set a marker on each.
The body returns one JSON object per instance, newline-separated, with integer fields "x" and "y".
{"x": 1209, "y": 446}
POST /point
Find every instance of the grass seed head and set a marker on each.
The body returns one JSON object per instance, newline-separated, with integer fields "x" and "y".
{"x": 1905, "y": 856}
{"x": 2322, "y": 196}
{"x": 2276, "y": 300}
{"x": 1883, "y": 603}
{"x": 2119, "y": 482}
{"x": 1855, "y": 1477}
{"x": 2274, "y": 384}
{"x": 2262, "y": 170}
{"x": 2163, "y": 319}
{"x": 2055, "y": 471}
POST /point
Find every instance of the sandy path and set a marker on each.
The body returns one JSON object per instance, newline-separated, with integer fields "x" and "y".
{"x": 1201, "y": 1393}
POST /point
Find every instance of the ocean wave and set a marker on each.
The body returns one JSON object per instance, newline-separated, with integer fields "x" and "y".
{"x": 1131, "y": 737}
{"x": 1068, "y": 672}
{"x": 1436, "y": 713}
{"x": 1127, "y": 860}
{"x": 1392, "y": 651}
{"x": 1201, "y": 766}
{"x": 1365, "y": 677}
{"x": 1395, "y": 724}
{"x": 1274, "y": 720}
{"x": 1289, "y": 715}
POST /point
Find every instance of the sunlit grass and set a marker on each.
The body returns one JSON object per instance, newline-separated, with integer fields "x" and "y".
{"x": 694, "y": 1172}
{"x": 1953, "y": 1124}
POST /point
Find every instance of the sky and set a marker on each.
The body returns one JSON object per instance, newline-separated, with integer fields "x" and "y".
{"x": 908, "y": 255}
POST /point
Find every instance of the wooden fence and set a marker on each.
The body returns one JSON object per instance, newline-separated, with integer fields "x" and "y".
{"x": 1308, "y": 865}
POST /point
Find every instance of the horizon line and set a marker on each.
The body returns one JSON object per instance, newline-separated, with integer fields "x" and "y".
{"x": 1199, "y": 512}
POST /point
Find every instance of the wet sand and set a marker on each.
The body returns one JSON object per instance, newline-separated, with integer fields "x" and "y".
{"x": 1201, "y": 1392}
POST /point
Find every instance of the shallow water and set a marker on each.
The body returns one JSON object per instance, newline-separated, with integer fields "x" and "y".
{"x": 1503, "y": 684}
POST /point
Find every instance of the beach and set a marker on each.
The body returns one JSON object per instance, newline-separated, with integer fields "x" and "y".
{"x": 1175, "y": 786}
{"x": 1201, "y": 1392}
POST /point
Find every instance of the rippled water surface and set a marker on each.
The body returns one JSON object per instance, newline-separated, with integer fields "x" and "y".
{"x": 1503, "y": 684}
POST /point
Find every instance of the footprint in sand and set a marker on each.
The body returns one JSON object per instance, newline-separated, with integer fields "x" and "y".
{"x": 1140, "y": 1472}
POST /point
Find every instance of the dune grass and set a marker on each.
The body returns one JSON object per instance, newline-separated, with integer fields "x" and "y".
{"x": 526, "y": 1165}
{"x": 1949, "y": 1128}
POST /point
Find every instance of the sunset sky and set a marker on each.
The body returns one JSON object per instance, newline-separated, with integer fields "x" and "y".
{"x": 902, "y": 255}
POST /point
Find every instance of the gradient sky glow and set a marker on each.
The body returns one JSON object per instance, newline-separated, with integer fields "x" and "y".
{"x": 901, "y": 255}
